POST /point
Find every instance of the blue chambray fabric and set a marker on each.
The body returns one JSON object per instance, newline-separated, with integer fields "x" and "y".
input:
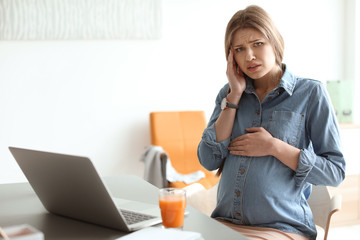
{"x": 262, "y": 191}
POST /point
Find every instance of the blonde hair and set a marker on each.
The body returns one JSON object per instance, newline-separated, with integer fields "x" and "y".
{"x": 256, "y": 18}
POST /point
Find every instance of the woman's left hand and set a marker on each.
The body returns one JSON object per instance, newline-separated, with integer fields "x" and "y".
{"x": 256, "y": 143}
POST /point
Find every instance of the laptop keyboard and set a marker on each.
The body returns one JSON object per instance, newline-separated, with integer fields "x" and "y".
{"x": 134, "y": 217}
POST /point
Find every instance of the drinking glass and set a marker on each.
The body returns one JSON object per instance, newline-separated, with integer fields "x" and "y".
{"x": 172, "y": 202}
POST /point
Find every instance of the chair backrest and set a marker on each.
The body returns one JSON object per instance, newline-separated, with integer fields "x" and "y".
{"x": 179, "y": 134}
{"x": 323, "y": 206}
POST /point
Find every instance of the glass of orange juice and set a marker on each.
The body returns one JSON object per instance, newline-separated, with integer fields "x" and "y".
{"x": 172, "y": 202}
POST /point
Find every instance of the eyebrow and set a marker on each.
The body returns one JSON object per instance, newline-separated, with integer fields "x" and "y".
{"x": 252, "y": 41}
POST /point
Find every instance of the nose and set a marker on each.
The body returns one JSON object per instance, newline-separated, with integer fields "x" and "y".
{"x": 250, "y": 55}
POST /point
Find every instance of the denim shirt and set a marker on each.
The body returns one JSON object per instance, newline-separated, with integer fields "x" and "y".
{"x": 262, "y": 191}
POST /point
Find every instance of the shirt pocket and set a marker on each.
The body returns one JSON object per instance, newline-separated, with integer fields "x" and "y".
{"x": 286, "y": 125}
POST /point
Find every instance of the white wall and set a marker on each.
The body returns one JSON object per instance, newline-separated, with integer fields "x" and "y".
{"x": 356, "y": 52}
{"x": 93, "y": 98}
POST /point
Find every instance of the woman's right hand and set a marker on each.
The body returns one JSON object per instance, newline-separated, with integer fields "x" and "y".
{"x": 225, "y": 122}
{"x": 235, "y": 77}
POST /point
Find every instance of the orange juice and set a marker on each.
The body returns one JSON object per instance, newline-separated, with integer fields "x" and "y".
{"x": 172, "y": 210}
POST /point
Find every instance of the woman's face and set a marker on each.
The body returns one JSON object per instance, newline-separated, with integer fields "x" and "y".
{"x": 253, "y": 53}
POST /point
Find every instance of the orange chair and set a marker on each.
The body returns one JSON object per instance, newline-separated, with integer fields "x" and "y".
{"x": 179, "y": 134}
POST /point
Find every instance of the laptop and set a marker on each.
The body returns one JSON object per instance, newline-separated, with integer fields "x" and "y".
{"x": 70, "y": 186}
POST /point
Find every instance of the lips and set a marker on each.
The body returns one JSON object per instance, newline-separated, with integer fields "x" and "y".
{"x": 253, "y": 67}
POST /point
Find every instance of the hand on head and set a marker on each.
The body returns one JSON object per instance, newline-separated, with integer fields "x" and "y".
{"x": 235, "y": 75}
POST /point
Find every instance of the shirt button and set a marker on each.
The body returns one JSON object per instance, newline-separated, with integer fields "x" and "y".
{"x": 238, "y": 214}
{"x": 258, "y": 112}
{"x": 242, "y": 171}
{"x": 238, "y": 193}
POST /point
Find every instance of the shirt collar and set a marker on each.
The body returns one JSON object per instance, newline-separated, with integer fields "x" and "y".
{"x": 287, "y": 82}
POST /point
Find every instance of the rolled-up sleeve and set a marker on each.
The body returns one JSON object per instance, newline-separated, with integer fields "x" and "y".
{"x": 212, "y": 153}
{"x": 306, "y": 163}
{"x": 322, "y": 163}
